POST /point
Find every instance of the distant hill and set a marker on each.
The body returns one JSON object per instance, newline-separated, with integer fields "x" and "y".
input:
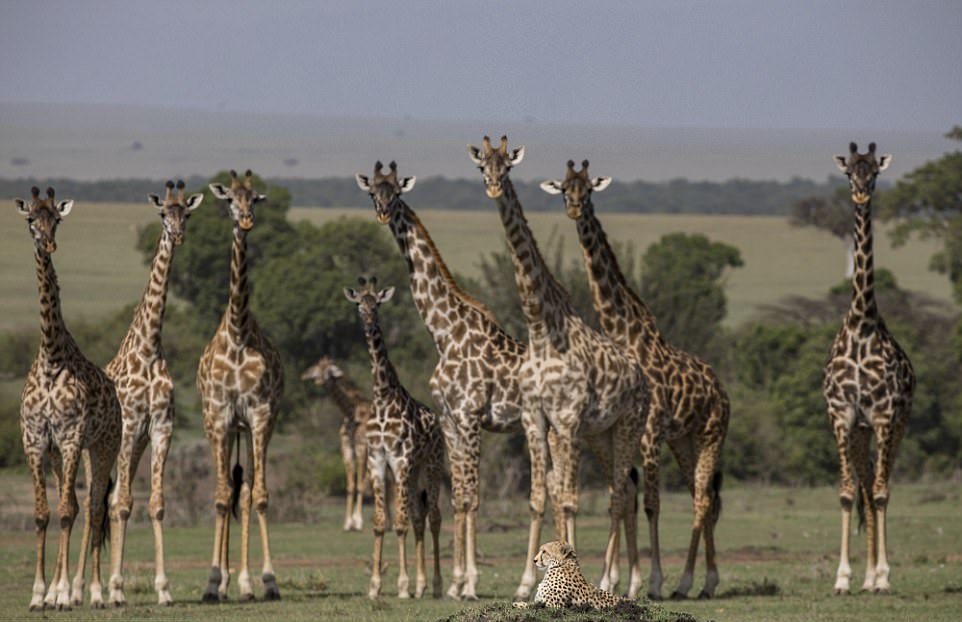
{"x": 96, "y": 142}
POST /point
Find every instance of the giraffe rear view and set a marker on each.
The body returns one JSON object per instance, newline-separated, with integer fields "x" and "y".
{"x": 868, "y": 385}
{"x": 68, "y": 407}
{"x": 240, "y": 380}
{"x": 357, "y": 410}
{"x": 403, "y": 440}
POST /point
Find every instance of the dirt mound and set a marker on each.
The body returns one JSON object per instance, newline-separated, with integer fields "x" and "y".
{"x": 626, "y": 612}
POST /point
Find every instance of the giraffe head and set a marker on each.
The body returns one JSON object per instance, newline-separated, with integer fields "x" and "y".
{"x": 323, "y": 371}
{"x": 175, "y": 210}
{"x": 43, "y": 216}
{"x": 862, "y": 169}
{"x": 495, "y": 164}
{"x": 576, "y": 188}
{"x": 368, "y": 299}
{"x": 385, "y": 190}
{"x": 241, "y": 198}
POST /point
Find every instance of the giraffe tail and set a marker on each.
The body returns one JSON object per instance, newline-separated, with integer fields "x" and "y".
{"x": 716, "y": 500}
{"x": 237, "y": 480}
{"x": 105, "y": 523}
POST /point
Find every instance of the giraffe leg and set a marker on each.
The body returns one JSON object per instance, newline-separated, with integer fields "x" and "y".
{"x": 860, "y": 458}
{"x": 651, "y": 468}
{"x": 261, "y": 436}
{"x": 570, "y": 456}
{"x": 35, "y": 448}
{"x": 705, "y": 466}
{"x": 101, "y": 462}
{"x": 377, "y": 465}
{"x": 457, "y": 457}
{"x": 625, "y": 437}
{"x": 121, "y": 505}
{"x": 160, "y": 445}
{"x": 684, "y": 451}
{"x": 554, "y": 484}
{"x": 220, "y": 448}
{"x": 402, "y": 505}
{"x": 846, "y": 493}
{"x": 77, "y": 587}
{"x": 536, "y": 434}
{"x": 709, "y": 522}
{"x": 601, "y": 447}
{"x": 436, "y": 474}
{"x": 348, "y": 458}
{"x": 361, "y": 478}
{"x": 68, "y": 509}
{"x": 469, "y": 504}
{"x": 56, "y": 463}
{"x": 244, "y": 504}
{"x": 419, "y": 502}
{"x": 887, "y": 438}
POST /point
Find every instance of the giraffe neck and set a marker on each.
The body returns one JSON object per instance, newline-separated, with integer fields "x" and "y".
{"x": 432, "y": 287}
{"x": 863, "y": 306}
{"x": 344, "y": 394}
{"x": 385, "y": 377}
{"x": 53, "y": 333}
{"x": 622, "y": 314}
{"x": 238, "y": 308}
{"x": 149, "y": 316}
{"x": 540, "y": 292}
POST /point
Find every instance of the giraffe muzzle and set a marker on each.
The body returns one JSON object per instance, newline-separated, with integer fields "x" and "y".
{"x": 494, "y": 192}
{"x": 861, "y": 198}
{"x": 383, "y": 218}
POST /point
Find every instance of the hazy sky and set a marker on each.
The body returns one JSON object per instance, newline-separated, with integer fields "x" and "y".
{"x": 766, "y": 63}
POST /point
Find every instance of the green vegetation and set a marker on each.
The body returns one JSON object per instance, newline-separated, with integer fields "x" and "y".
{"x": 778, "y": 551}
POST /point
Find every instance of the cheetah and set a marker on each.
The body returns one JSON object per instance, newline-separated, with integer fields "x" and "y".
{"x": 563, "y": 584}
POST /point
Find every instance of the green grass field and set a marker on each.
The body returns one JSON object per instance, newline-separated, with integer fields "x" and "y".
{"x": 777, "y": 557}
{"x": 100, "y": 271}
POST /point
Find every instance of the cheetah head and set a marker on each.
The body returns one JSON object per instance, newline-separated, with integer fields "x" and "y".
{"x": 553, "y": 553}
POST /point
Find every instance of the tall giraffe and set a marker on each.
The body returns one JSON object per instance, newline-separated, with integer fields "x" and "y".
{"x": 240, "y": 380}
{"x": 356, "y": 409}
{"x": 868, "y": 386}
{"x": 68, "y": 407}
{"x": 146, "y": 394}
{"x": 476, "y": 378}
{"x": 574, "y": 380}
{"x": 689, "y": 409}
{"x": 403, "y": 438}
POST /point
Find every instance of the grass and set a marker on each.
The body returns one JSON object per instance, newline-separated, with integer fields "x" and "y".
{"x": 100, "y": 271}
{"x": 778, "y": 552}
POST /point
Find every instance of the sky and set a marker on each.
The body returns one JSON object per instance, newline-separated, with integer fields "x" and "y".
{"x": 740, "y": 64}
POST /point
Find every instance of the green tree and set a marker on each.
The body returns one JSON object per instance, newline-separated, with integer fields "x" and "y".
{"x": 682, "y": 285}
{"x": 831, "y": 214}
{"x": 928, "y": 201}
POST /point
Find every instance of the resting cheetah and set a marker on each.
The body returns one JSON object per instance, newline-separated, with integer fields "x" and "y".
{"x": 563, "y": 584}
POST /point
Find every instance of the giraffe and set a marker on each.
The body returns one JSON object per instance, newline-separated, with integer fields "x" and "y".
{"x": 403, "y": 439}
{"x": 356, "y": 409}
{"x": 689, "y": 409}
{"x": 868, "y": 386}
{"x": 574, "y": 380}
{"x": 146, "y": 394}
{"x": 68, "y": 407}
{"x": 240, "y": 380}
{"x": 475, "y": 381}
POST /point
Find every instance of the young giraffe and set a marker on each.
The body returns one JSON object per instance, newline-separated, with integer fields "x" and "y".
{"x": 689, "y": 408}
{"x": 476, "y": 378}
{"x": 146, "y": 394}
{"x": 356, "y": 409}
{"x": 403, "y": 437}
{"x": 868, "y": 386}
{"x": 68, "y": 407}
{"x": 574, "y": 380}
{"x": 240, "y": 380}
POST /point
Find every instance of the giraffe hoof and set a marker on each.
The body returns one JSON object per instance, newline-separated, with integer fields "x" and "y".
{"x": 96, "y": 604}
{"x": 679, "y": 596}
{"x": 272, "y": 594}
{"x": 210, "y": 597}
{"x": 247, "y": 597}
{"x": 703, "y": 595}
{"x": 655, "y": 597}
{"x": 840, "y": 591}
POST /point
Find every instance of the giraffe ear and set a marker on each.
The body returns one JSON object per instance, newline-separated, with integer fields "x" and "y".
{"x": 351, "y": 295}
{"x": 600, "y": 183}
{"x": 22, "y": 207}
{"x": 407, "y": 184}
{"x": 335, "y": 371}
{"x": 64, "y": 207}
{"x": 475, "y": 154}
{"x": 385, "y": 295}
{"x": 840, "y": 163}
{"x": 154, "y": 200}
{"x": 884, "y": 161}
{"x": 194, "y": 201}
{"x": 517, "y": 155}
{"x": 552, "y": 186}
{"x": 260, "y": 198}
{"x": 219, "y": 191}
{"x": 363, "y": 182}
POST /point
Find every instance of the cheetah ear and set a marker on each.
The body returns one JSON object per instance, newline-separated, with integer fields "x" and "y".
{"x": 568, "y": 551}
